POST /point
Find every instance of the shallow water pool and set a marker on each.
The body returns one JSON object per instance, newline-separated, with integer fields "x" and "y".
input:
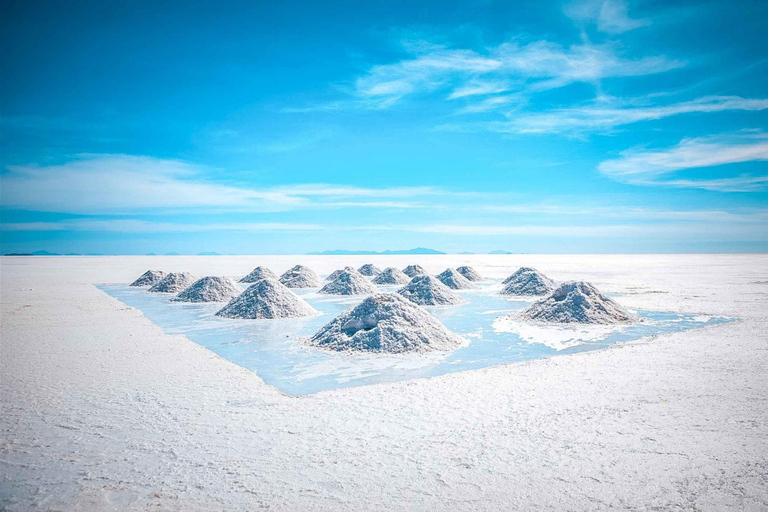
{"x": 275, "y": 351}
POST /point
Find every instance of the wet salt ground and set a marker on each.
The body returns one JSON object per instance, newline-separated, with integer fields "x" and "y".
{"x": 274, "y": 350}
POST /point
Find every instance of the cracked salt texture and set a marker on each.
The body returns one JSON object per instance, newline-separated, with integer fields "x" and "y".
{"x": 349, "y": 283}
{"x": 391, "y": 275}
{"x": 578, "y": 302}
{"x": 209, "y": 289}
{"x": 300, "y": 277}
{"x": 173, "y": 282}
{"x": 470, "y": 273}
{"x": 267, "y": 298}
{"x": 369, "y": 269}
{"x": 258, "y": 274}
{"x": 415, "y": 270}
{"x": 527, "y": 281}
{"x": 149, "y": 278}
{"x": 453, "y": 279}
{"x": 386, "y": 323}
{"x": 429, "y": 291}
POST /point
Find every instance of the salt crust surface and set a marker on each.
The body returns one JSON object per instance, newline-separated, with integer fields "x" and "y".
{"x": 578, "y": 302}
{"x": 427, "y": 290}
{"x": 210, "y": 289}
{"x": 414, "y": 270}
{"x": 386, "y": 322}
{"x": 267, "y": 298}
{"x": 470, "y": 273}
{"x": 149, "y": 278}
{"x": 391, "y": 275}
{"x": 369, "y": 270}
{"x": 527, "y": 281}
{"x": 675, "y": 422}
{"x": 173, "y": 283}
{"x": 300, "y": 276}
{"x": 257, "y": 274}
{"x": 348, "y": 283}
{"x": 452, "y": 279}
{"x": 336, "y": 273}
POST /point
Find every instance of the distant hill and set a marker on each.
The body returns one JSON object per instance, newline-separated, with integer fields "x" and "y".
{"x": 18, "y": 254}
{"x": 44, "y": 253}
{"x": 499, "y": 252}
{"x": 150, "y": 254}
{"x": 171, "y": 254}
{"x": 342, "y": 252}
{"x": 209, "y": 253}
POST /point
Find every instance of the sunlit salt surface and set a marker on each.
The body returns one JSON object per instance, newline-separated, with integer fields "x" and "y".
{"x": 273, "y": 349}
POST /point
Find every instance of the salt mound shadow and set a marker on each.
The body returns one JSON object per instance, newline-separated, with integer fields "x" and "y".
{"x": 415, "y": 270}
{"x": 391, "y": 275}
{"x": 258, "y": 274}
{"x": 300, "y": 277}
{"x": 149, "y": 278}
{"x": 173, "y": 282}
{"x": 386, "y": 323}
{"x": 527, "y": 281}
{"x": 578, "y": 302}
{"x": 369, "y": 270}
{"x": 454, "y": 280}
{"x": 349, "y": 283}
{"x": 429, "y": 291}
{"x": 267, "y": 298}
{"x": 470, "y": 273}
{"x": 209, "y": 289}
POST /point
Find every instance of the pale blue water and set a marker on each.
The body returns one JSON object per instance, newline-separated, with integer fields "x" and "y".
{"x": 273, "y": 349}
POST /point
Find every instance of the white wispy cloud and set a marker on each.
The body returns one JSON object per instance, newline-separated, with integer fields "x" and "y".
{"x": 114, "y": 183}
{"x": 610, "y": 16}
{"x": 657, "y": 167}
{"x": 143, "y": 226}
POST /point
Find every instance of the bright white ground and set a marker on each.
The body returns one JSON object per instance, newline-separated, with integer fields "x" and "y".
{"x": 101, "y": 410}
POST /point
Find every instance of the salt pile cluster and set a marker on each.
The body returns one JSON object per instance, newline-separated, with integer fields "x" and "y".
{"x": 429, "y": 291}
{"x": 527, "y": 281}
{"x": 337, "y": 273}
{"x": 386, "y": 323}
{"x": 391, "y": 275}
{"x": 300, "y": 277}
{"x": 149, "y": 278}
{"x": 414, "y": 270}
{"x": 173, "y": 282}
{"x": 369, "y": 269}
{"x": 470, "y": 273}
{"x": 267, "y": 298}
{"x": 578, "y": 302}
{"x": 348, "y": 283}
{"x": 210, "y": 289}
{"x": 453, "y": 279}
{"x": 258, "y": 274}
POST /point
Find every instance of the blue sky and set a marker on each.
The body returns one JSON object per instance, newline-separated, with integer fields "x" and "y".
{"x": 289, "y": 127}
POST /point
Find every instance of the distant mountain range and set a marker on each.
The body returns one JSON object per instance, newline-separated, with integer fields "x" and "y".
{"x": 342, "y": 252}
{"x": 499, "y": 252}
{"x": 209, "y": 253}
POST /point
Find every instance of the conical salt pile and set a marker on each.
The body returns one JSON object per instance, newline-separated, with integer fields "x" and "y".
{"x": 578, "y": 302}
{"x": 369, "y": 269}
{"x": 470, "y": 273}
{"x": 267, "y": 298}
{"x": 337, "y": 273}
{"x": 415, "y": 270}
{"x": 210, "y": 289}
{"x": 149, "y": 278}
{"x": 527, "y": 281}
{"x": 391, "y": 275}
{"x": 300, "y": 277}
{"x": 258, "y": 274}
{"x": 173, "y": 282}
{"x": 454, "y": 280}
{"x": 349, "y": 283}
{"x": 429, "y": 291}
{"x": 386, "y": 323}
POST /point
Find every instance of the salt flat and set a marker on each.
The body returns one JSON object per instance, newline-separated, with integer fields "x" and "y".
{"x": 101, "y": 410}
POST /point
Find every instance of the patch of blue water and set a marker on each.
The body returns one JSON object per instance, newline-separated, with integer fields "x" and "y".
{"x": 275, "y": 351}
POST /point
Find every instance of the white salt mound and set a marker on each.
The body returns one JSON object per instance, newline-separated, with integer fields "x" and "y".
{"x": 415, "y": 270}
{"x": 470, "y": 273}
{"x": 578, "y": 302}
{"x": 337, "y": 273}
{"x": 429, "y": 291}
{"x": 386, "y": 323}
{"x": 210, "y": 289}
{"x": 349, "y": 283}
{"x": 391, "y": 275}
{"x": 300, "y": 277}
{"x": 149, "y": 278}
{"x": 173, "y": 282}
{"x": 258, "y": 274}
{"x": 527, "y": 281}
{"x": 453, "y": 279}
{"x": 267, "y": 298}
{"x": 369, "y": 269}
